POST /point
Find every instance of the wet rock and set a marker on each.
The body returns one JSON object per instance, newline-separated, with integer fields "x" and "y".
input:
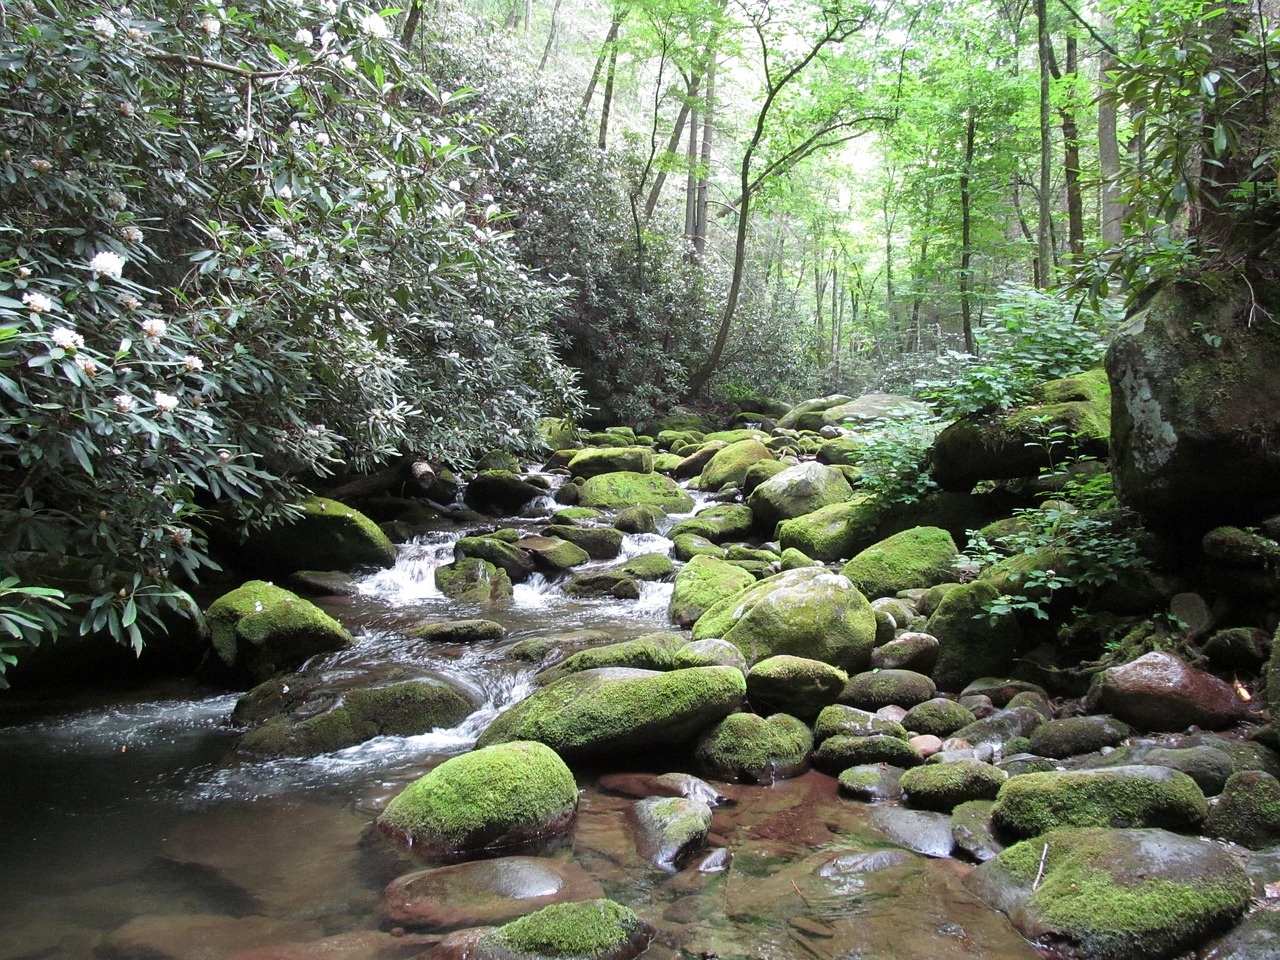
{"x": 612, "y": 491}
{"x": 594, "y": 461}
{"x": 944, "y": 786}
{"x": 745, "y": 746}
{"x": 643, "y": 518}
{"x": 357, "y": 945}
{"x": 601, "y": 543}
{"x": 1208, "y": 759}
{"x": 641, "y": 785}
{"x": 926, "y": 744}
{"x": 670, "y": 830}
{"x": 808, "y": 414}
{"x": 848, "y": 871}
{"x": 730, "y": 464}
{"x": 459, "y": 631}
{"x": 323, "y": 583}
{"x": 841, "y": 720}
{"x": 795, "y": 491}
{"x": 918, "y": 830}
{"x": 908, "y": 651}
{"x": 972, "y": 643}
{"x": 709, "y": 653}
{"x": 1256, "y": 938}
{"x": 938, "y": 716}
{"x": 552, "y": 555}
{"x": 1001, "y": 726}
{"x": 701, "y": 584}
{"x": 327, "y": 536}
{"x": 260, "y": 629}
{"x": 1238, "y": 648}
{"x": 872, "y": 782}
{"x": 839, "y": 753}
{"x": 604, "y": 583}
{"x": 1000, "y": 690}
{"x": 598, "y": 713}
{"x": 654, "y": 651}
{"x": 516, "y": 563}
{"x": 495, "y": 799}
{"x": 690, "y": 545}
{"x": 973, "y": 832}
{"x": 919, "y": 557}
{"x": 1159, "y": 691}
{"x": 483, "y": 892}
{"x": 194, "y": 936}
{"x": 474, "y": 581}
{"x": 833, "y": 532}
{"x": 1134, "y": 796}
{"x": 718, "y": 524}
{"x": 879, "y": 688}
{"x": 595, "y": 929}
{"x": 1137, "y": 894}
{"x": 1248, "y": 812}
{"x": 794, "y": 685}
{"x": 805, "y": 613}
{"x": 500, "y": 492}
{"x": 1071, "y": 736}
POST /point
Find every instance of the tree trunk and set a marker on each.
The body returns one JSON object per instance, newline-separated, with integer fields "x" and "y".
{"x": 704, "y": 167}
{"x": 1044, "y": 248}
{"x": 551, "y": 36}
{"x": 407, "y": 475}
{"x": 673, "y": 144}
{"x": 610, "y": 43}
{"x": 691, "y": 178}
{"x": 1112, "y": 208}
{"x": 1071, "y": 164}
{"x": 607, "y": 107}
{"x": 966, "y": 230}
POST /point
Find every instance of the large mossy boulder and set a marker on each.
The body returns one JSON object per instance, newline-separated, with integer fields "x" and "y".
{"x": 944, "y": 786}
{"x": 794, "y": 685}
{"x": 718, "y": 524}
{"x": 730, "y": 464}
{"x": 701, "y": 584}
{"x": 746, "y": 746}
{"x": 1133, "y": 796}
{"x": 616, "y": 712}
{"x": 834, "y": 532}
{"x": 625, "y": 488}
{"x": 974, "y": 640}
{"x": 474, "y": 580}
{"x": 500, "y": 492}
{"x": 919, "y": 557}
{"x": 655, "y": 651}
{"x": 1102, "y": 894}
{"x": 795, "y": 491}
{"x": 260, "y": 630}
{"x": 515, "y": 561}
{"x": 492, "y": 800}
{"x": 328, "y": 535}
{"x": 808, "y": 612}
{"x": 871, "y": 408}
{"x": 597, "y": 460}
{"x": 1194, "y": 400}
{"x": 808, "y": 415}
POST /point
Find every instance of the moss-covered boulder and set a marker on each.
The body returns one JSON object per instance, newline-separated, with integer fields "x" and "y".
{"x": 327, "y": 536}
{"x": 595, "y": 461}
{"x": 1002, "y": 726}
{"x": 611, "y": 713}
{"x": 649, "y": 566}
{"x": 498, "y": 799}
{"x": 938, "y": 716}
{"x": 919, "y": 557}
{"x": 398, "y": 710}
{"x": 600, "y": 543}
{"x": 701, "y": 584}
{"x": 260, "y": 629}
{"x": 808, "y": 415}
{"x": 474, "y": 581}
{"x": 746, "y": 746}
{"x": 840, "y": 720}
{"x": 1248, "y": 812}
{"x": 973, "y": 641}
{"x": 871, "y": 782}
{"x": 839, "y": 753}
{"x": 719, "y": 524}
{"x": 1115, "y": 894}
{"x": 795, "y": 491}
{"x": 794, "y": 685}
{"x": 603, "y": 583}
{"x": 805, "y": 613}
{"x": 710, "y": 653}
{"x": 944, "y": 786}
{"x": 833, "y": 532}
{"x": 1072, "y": 736}
{"x": 911, "y": 650}
{"x": 655, "y": 651}
{"x": 873, "y": 689}
{"x": 690, "y": 545}
{"x": 1135, "y": 796}
{"x": 670, "y": 830}
{"x": 518, "y": 564}
{"x": 592, "y": 930}
{"x": 552, "y": 555}
{"x": 730, "y": 464}
{"x": 612, "y": 491}
{"x": 642, "y": 518}
{"x": 500, "y": 492}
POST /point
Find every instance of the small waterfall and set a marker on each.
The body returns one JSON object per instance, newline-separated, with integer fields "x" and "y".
{"x": 413, "y": 577}
{"x": 638, "y": 544}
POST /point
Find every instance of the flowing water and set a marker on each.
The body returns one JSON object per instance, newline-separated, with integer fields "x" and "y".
{"x": 128, "y": 827}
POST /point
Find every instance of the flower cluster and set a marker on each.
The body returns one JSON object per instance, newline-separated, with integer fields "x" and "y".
{"x": 107, "y": 264}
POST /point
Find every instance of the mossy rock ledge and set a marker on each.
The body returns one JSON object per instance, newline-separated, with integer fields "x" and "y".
{"x": 260, "y": 630}
{"x": 494, "y": 800}
{"x": 327, "y": 535}
{"x": 600, "y": 713}
{"x": 1103, "y": 894}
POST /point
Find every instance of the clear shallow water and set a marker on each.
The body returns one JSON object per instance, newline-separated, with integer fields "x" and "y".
{"x": 132, "y": 819}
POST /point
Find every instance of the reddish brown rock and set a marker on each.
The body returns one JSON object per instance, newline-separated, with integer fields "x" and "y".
{"x": 1159, "y": 691}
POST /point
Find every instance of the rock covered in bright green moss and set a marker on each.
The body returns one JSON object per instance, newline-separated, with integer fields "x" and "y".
{"x": 458, "y": 631}
{"x": 552, "y": 555}
{"x": 260, "y": 629}
{"x": 474, "y": 581}
{"x": 730, "y": 464}
{"x": 840, "y": 720}
{"x": 833, "y": 532}
{"x": 794, "y": 685}
{"x": 874, "y": 689}
{"x": 611, "y": 491}
{"x": 919, "y": 557}
{"x": 649, "y": 566}
{"x": 592, "y": 462}
{"x": 944, "y": 786}
{"x": 502, "y": 797}
{"x": 938, "y": 716}
{"x": 1248, "y": 812}
{"x": 973, "y": 642}
{"x": 1134, "y": 894}
{"x": 591, "y": 930}
{"x": 605, "y": 713}
{"x": 642, "y": 518}
{"x": 1135, "y": 796}
{"x": 911, "y": 650}
{"x": 701, "y": 584}
{"x": 709, "y": 653}
{"x": 690, "y": 545}
{"x": 719, "y": 523}
{"x": 654, "y": 651}
{"x": 600, "y": 543}
{"x": 795, "y": 491}
{"x": 1071, "y": 736}
{"x": 838, "y": 753}
{"x": 516, "y": 563}
{"x": 805, "y": 613}
{"x": 327, "y": 535}
{"x": 746, "y": 746}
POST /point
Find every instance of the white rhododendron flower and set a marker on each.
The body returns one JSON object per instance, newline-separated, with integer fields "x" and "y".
{"x": 107, "y": 264}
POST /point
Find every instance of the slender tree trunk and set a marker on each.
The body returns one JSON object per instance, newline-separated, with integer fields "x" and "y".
{"x": 1071, "y": 164}
{"x": 528, "y": 16}
{"x": 551, "y": 36}
{"x": 704, "y": 166}
{"x": 1112, "y": 207}
{"x": 610, "y": 44}
{"x": 411, "y": 21}
{"x": 691, "y": 178}
{"x": 819, "y": 291}
{"x": 1044, "y": 248}
{"x": 607, "y": 107}
{"x": 673, "y": 144}
{"x": 966, "y": 234}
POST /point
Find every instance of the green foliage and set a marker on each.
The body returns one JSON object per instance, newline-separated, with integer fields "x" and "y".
{"x": 1034, "y": 336}
{"x": 894, "y": 458}
{"x": 26, "y": 613}
{"x": 240, "y": 249}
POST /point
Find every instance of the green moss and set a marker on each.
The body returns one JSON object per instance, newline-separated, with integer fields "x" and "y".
{"x": 747, "y": 746}
{"x": 330, "y": 536}
{"x": 840, "y": 752}
{"x": 653, "y": 652}
{"x": 793, "y": 559}
{"x": 474, "y": 581}
{"x": 1118, "y": 797}
{"x": 833, "y": 532}
{"x": 939, "y": 716}
{"x": 489, "y": 797}
{"x": 410, "y": 708}
{"x": 591, "y": 929}
{"x": 795, "y": 685}
{"x": 1092, "y": 386}
{"x": 971, "y": 644}
{"x": 601, "y": 543}
{"x": 649, "y": 566}
{"x": 841, "y": 720}
{"x": 643, "y": 518}
{"x": 627, "y": 488}
{"x": 575, "y": 515}
{"x": 596, "y": 461}
{"x": 730, "y": 464}
{"x": 264, "y": 628}
{"x": 919, "y": 557}
{"x": 881, "y": 688}
{"x": 944, "y": 786}
{"x": 1248, "y": 812}
{"x": 725, "y": 521}
{"x": 702, "y": 583}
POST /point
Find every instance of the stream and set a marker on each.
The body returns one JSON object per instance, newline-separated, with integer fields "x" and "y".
{"x": 130, "y": 822}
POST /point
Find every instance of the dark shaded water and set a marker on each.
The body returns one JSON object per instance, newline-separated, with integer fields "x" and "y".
{"x": 125, "y": 822}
